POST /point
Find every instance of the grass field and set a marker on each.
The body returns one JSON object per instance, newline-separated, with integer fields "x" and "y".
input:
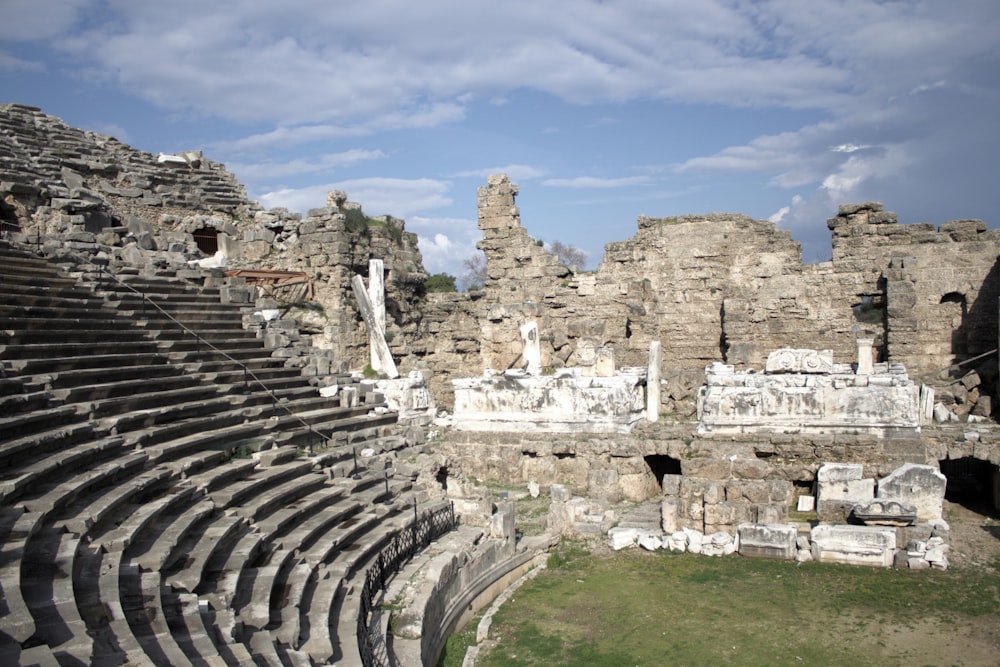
{"x": 659, "y": 608}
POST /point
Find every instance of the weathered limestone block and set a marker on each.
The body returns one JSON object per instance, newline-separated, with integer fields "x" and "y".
{"x": 920, "y": 485}
{"x": 670, "y": 515}
{"x": 854, "y": 545}
{"x": 768, "y": 540}
{"x": 885, "y": 512}
{"x": 788, "y": 360}
{"x": 561, "y": 403}
{"x": 832, "y": 400}
{"x": 839, "y": 472}
{"x": 770, "y": 512}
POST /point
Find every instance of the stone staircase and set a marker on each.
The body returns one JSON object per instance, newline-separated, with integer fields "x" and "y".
{"x": 174, "y": 499}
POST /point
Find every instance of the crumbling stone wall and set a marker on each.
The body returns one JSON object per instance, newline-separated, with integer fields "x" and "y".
{"x": 725, "y": 287}
{"x": 92, "y": 194}
{"x": 330, "y": 245}
{"x": 61, "y": 179}
{"x": 940, "y": 285}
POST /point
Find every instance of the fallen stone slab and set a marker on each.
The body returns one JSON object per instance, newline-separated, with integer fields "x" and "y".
{"x": 920, "y": 485}
{"x": 885, "y": 512}
{"x": 767, "y": 540}
{"x": 854, "y": 545}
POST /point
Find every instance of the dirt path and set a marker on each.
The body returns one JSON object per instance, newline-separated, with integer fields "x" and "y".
{"x": 975, "y": 538}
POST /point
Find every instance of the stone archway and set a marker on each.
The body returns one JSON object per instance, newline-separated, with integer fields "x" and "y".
{"x": 972, "y": 483}
{"x": 953, "y": 310}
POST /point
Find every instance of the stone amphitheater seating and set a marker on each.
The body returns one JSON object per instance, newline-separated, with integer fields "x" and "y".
{"x": 130, "y": 532}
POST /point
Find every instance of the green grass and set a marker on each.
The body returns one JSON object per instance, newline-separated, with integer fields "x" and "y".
{"x": 641, "y": 608}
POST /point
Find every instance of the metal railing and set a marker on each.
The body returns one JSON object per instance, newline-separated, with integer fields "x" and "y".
{"x": 401, "y": 548}
{"x": 248, "y": 373}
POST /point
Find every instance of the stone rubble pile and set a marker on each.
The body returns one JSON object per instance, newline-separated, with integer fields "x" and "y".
{"x": 901, "y": 527}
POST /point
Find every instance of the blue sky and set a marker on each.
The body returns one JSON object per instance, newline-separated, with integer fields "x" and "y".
{"x": 600, "y": 111}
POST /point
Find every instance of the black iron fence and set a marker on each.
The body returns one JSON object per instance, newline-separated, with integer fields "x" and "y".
{"x": 401, "y": 548}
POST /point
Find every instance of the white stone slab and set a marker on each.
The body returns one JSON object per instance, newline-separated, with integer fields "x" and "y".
{"x": 854, "y": 545}
{"x": 920, "y": 485}
{"x": 768, "y": 541}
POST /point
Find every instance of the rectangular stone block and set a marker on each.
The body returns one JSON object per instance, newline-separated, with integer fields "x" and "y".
{"x": 671, "y": 485}
{"x": 857, "y": 490}
{"x": 670, "y": 514}
{"x": 839, "y": 472}
{"x": 768, "y": 541}
{"x": 854, "y": 545}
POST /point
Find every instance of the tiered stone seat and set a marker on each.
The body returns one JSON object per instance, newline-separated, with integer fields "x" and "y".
{"x": 127, "y": 533}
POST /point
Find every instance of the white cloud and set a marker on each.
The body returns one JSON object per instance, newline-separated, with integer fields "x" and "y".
{"x": 9, "y": 63}
{"x": 516, "y": 172}
{"x": 269, "y": 171}
{"x": 303, "y": 62}
{"x": 593, "y": 182}
{"x": 26, "y": 20}
{"x": 398, "y": 197}
{"x": 445, "y": 243}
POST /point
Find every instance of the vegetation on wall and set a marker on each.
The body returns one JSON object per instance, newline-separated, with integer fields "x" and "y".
{"x": 440, "y": 282}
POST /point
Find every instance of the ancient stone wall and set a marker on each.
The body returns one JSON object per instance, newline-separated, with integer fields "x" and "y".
{"x": 724, "y": 287}
{"x": 67, "y": 180}
{"x": 90, "y": 193}
{"x": 940, "y": 286}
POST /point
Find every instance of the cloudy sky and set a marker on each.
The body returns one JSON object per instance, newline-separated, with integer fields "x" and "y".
{"x": 600, "y": 111}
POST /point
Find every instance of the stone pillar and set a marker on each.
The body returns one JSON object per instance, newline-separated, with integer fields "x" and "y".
{"x": 604, "y": 366}
{"x": 653, "y": 382}
{"x": 376, "y": 294}
{"x": 531, "y": 351}
{"x": 378, "y": 337}
{"x": 865, "y": 356}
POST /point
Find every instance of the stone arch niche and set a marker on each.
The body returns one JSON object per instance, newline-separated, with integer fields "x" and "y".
{"x": 954, "y": 308}
{"x": 972, "y": 483}
{"x": 207, "y": 240}
{"x": 869, "y": 313}
{"x": 8, "y": 219}
{"x": 661, "y": 465}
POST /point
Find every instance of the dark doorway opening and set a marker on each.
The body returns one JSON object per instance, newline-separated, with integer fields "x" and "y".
{"x": 972, "y": 483}
{"x": 442, "y": 477}
{"x": 660, "y": 465}
{"x": 207, "y": 240}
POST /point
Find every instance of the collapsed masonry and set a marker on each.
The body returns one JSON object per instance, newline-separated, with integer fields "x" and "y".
{"x": 715, "y": 289}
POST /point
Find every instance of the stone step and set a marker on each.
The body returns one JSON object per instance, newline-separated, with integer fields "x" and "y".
{"x": 211, "y": 335}
{"x": 63, "y": 349}
{"x": 158, "y": 549}
{"x": 214, "y": 544}
{"x": 38, "y": 421}
{"x": 294, "y": 514}
{"x": 28, "y": 475}
{"x": 32, "y": 399}
{"x": 38, "y": 280}
{"x": 85, "y": 336}
{"x": 55, "y": 311}
{"x": 147, "y": 400}
{"x": 88, "y": 518}
{"x": 150, "y": 623}
{"x": 260, "y": 481}
{"x": 143, "y": 423}
{"x": 221, "y": 439}
{"x": 97, "y": 380}
{"x": 56, "y": 495}
{"x": 193, "y": 630}
{"x": 304, "y": 578}
{"x": 266, "y": 502}
{"x": 31, "y": 298}
{"x": 160, "y": 380}
{"x": 87, "y": 361}
{"x": 66, "y": 325}
{"x": 225, "y": 417}
{"x": 319, "y": 641}
{"x": 144, "y": 516}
